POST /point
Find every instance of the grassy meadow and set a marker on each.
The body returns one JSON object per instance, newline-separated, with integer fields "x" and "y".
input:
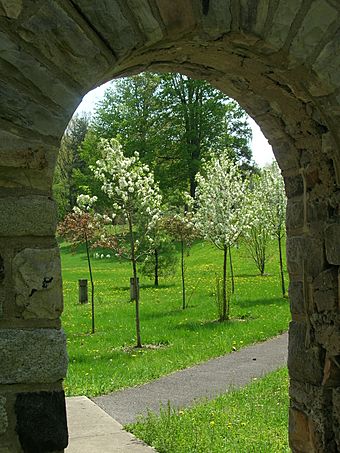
{"x": 253, "y": 419}
{"x": 174, "y": 338}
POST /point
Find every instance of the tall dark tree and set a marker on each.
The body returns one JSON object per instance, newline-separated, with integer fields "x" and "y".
{"x": 204, "y": 122}
{"x": 173, "y": 122}
{"x": 69, "y": 160}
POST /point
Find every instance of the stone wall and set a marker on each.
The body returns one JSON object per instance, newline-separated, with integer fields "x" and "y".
{"x": 280, "y": 60}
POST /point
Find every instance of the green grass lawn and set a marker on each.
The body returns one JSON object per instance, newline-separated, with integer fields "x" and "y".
{"x": 253, "y": 419}
{"x": 105, "y": 361}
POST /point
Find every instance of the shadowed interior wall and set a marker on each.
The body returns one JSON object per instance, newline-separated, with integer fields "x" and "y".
{"x": 280, "y": 60}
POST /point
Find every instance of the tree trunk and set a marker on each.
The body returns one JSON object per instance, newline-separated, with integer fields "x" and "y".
{"x": 231, "y": 272}
{"x": 92, "y": 283}
{"x": 183, "y": 276}
{"x": 156, "y": 268}
{"x": 225, "y": 308}
{"x": 281, "y": 266}
{"x": 192, "y": 186}
{"x": 135, "y": 276}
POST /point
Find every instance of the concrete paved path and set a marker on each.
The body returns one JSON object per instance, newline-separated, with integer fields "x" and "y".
{"x": 91, "y": 430}
{"x": 207, "y": 380}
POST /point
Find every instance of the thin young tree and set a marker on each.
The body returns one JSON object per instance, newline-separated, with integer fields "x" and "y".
{"x": 82, "y": 226}
{"x": 135, "y": 197}
{"x": 260, "y": 233}
{"x": 182, "y": 229}
{"x": 222, "y": 213}
{"x": 163, "y": 261}
{"x": 277, "y": 201}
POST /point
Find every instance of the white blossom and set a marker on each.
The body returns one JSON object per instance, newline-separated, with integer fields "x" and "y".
{"x": 222, "y": 213}
{"x": 131, "y": 187}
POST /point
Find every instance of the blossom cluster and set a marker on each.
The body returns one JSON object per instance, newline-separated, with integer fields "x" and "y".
{"x": 131, "y": 187}
{"x": 84, "y": 203}
{"x": 221, "y": 196}
{"x": 267, "y": 201}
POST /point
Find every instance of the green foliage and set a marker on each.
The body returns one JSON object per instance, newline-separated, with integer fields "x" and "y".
{"x": 253, "y": 419}
{"x": 84, "y": 180}
{"x": 167, "y": 261}
{"x": 107, "y": 361}
{"x": 173, "y": 122}
{"x": 203, "y": 121}
{"x": 65, "y": 186}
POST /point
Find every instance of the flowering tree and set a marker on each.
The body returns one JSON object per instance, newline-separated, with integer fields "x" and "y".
{"x": 80, "y": 226}
{"x": 136, "y": 199}
{"x": 277, "y": 202}
{"x": 260, "y": 232}
{"x": 268, "y": 212}
{"x": 222, "y": 214}
{"x": 182, "y": 229}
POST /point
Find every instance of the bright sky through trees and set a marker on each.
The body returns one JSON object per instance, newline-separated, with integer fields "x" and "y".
{"x": 262, "y": 151}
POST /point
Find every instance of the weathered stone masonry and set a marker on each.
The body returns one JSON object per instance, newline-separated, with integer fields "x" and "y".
{"x": 280, "y": 59}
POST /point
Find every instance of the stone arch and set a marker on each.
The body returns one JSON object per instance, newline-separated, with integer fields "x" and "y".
{"x": 280, "y": 60}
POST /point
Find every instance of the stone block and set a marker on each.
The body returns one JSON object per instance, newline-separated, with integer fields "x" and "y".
{"x": 3, "y": 416}
{"x": 82, "y": 55}
{"x": 331, "y": 372}
{"x": 261, "y": 16}
{"x": 296, "y": 299}
{"x": 299, "y": 432}
{"x": 295, "y": 214}
{"x": 27, "y": 216}
{"x": 313, "y": 402}
{"x": 10, "y": 8}
{"x": 178, "y": 16}
{"x": 336, "y": 415}
{"x": 32, "y": 356}
{"x": 113, "y": 24}
{"x": 325, "y": 290}
{"x": 16, "y": 178}
{"x": 326, "y": 66}
{"x": 305, "y": 253}
{"x": 332, "y": 237}
{"x": 146, "y": 20}
{"x": 293, "y": 186}
{"x": 2, "y": 301}
{"x": 328, "y": 335}
{"x": 286, "y": 155}
{"x": 217, "y": 19}
{"x": 2, "y": 269}
{"x": 317, "y": 210}
{"x": 315, "y": 24}
{"x": 304, "y": 395}
{"x": 41, "y": 421}
{"x": 60, "y": 91}
{"x": 248, "y": 14}
{"x": 44, "y": 118}
{"x": 37, "y": 283}
{"x": 305, "y": 363}
{"x": 282, "y": 21}
{"x": 30, "y": 158}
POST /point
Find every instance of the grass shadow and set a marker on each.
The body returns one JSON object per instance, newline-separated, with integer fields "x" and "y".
{"x": 252, "y": 275}
{"x": 146, "y": 286}
{"x": 264, "y": 302}
{"x": 159, "y": 315}
{"x": 210, "y": 325}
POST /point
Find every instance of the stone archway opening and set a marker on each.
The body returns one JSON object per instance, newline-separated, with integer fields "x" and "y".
{"x": 280, "y": 61}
